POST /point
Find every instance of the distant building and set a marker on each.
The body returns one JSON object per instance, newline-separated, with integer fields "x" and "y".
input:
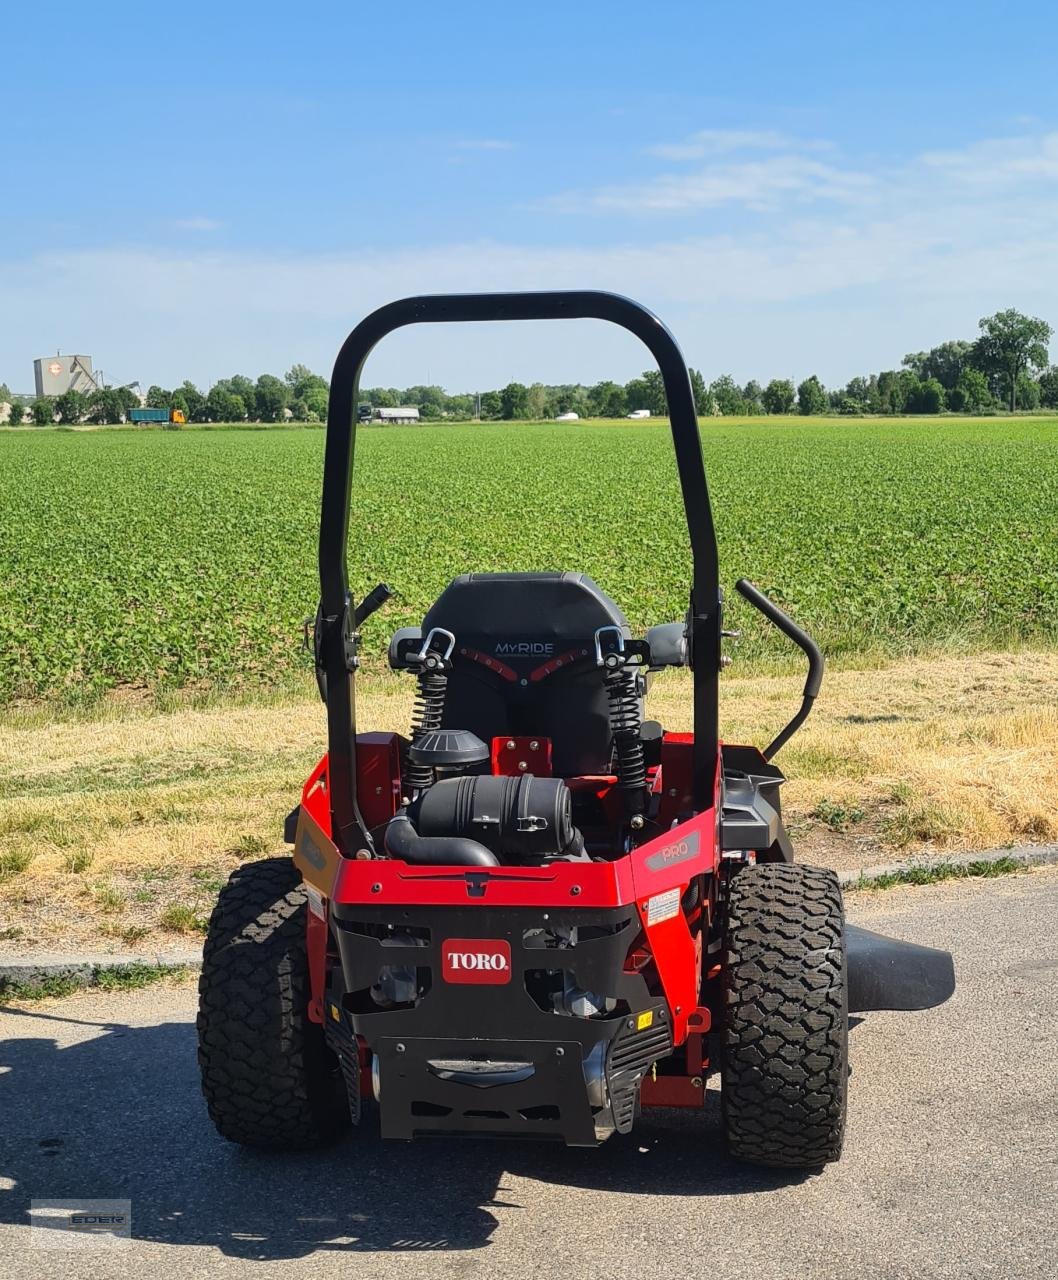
{"x": 57, "y": 374}
{"x": 638, "y": 413}
{"x": 568, "y": 417}
{"x": 404, "y": 413}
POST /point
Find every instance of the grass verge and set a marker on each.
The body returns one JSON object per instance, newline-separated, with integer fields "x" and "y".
{"x": 128, "y": 977}
{"x": 935, "y": 872}
{"x": 117, "y": 831}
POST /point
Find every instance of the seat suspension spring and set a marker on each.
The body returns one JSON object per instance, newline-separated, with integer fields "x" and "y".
{"x": 426, "y": 717}
{"x": 623, "y": 696}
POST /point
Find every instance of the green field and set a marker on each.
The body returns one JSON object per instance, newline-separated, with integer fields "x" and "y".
{"x": 161, "y": 559}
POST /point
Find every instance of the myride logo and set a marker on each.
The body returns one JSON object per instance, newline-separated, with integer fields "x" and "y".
{"x": 481, "y": 960}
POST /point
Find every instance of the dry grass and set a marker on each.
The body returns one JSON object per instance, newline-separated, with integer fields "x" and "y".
{"x": 117, "y": 830}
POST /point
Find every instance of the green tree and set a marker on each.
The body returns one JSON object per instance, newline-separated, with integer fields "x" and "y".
{"x": 316, "y": 399}
{"x": 971, "y": 393}
{"x": 514, "y": 401}
{"x": 243, "y": 388}
{"x": 158, "y": 398}
{"x": 6, "y": 395}
{"x": 104, "y": 406}
{"x": 945, "y": 363}
{"x": 571, "y": 398}
{"x": 1028, "y": 391}
{"x": 42, "y": 411}
{"x": 539, "y": 403}
{"x": 703, "y": 405}
{"x": 461, "y": 407}
{"x": 926, "y": 397}
{"x": 127, "y": 400}
{"x": 811, "y": 396}
{"x": 1009, "y": 343}
{"x": 382, "y": 397}
{"x": 726, "y": 394}
{"x": 16, "y": 412}
{"x": 896, "y": 388}
{"x": 637, "y": 395}
{"x": 272, "y": 397}
{"x": 778, "y": 396}
{"x": 655, "y": 392}
{"x": 71, "y": 407}
{"x": 491, "y": 405}
{"x": 1049, "y": 387}
{"x": 194, "y": 402}
{"x": 858, "y": 390}
{"x": 607, "y": 400}
{"x": 751, "y": 397}
{"x": 302, "y": 382}
{"x": 222, "y": 404}
{"x": 430, "y": 400}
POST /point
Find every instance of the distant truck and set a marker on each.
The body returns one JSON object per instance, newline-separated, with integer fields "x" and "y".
{"x": 157, "y": 415}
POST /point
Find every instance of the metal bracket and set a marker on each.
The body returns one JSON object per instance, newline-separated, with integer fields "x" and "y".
{"x": 613, "y": 659}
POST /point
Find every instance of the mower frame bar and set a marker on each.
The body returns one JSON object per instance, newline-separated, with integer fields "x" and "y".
{"x": 337, "y": 641}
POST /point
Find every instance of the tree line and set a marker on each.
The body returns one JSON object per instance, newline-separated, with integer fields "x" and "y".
{"x": 1006, "y": 365}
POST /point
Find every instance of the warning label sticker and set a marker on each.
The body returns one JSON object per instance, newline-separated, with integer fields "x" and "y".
{"x": 662, "y": 906}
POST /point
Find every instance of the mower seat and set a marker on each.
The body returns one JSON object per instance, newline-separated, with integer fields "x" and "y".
{"x": 509, "y": 629}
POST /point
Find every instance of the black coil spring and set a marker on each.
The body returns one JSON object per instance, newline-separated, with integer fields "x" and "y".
{"x": 625, "y": 726}
{"x": 425, "y": 718}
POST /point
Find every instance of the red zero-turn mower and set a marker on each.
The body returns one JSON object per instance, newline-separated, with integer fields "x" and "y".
{"x": 539, "y": 912}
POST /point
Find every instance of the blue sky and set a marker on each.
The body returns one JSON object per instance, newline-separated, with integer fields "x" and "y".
{"x": 202, "y": 189}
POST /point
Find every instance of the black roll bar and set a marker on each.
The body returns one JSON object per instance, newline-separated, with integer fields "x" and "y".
{"x": 336, "y": 639}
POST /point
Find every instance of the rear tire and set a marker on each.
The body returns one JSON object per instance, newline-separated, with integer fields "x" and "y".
{"x": 785, "y": 1037}
{"x": 269, "y": 1079}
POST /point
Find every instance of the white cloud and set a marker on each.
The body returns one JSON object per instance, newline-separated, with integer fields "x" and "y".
{"x": 714, "y": 142}
{"x": 757, "y": 169}
{"x": 761, "y": 184}
{"x": 755, "y": 304}
{"x": 843, "y": 272}
{"x": 198, "y": 224}
{"x": 995, "y": 161}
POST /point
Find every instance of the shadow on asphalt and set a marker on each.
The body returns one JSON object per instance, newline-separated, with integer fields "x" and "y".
{"x": 120, "y": 1115}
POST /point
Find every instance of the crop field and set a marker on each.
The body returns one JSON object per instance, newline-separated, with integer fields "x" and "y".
{"x": 163, "y": 559}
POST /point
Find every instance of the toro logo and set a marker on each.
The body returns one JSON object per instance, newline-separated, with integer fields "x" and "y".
{"x": 483, "y": 960}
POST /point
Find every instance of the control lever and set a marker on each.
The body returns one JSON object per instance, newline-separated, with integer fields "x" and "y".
{"x": 374, "y": 600}
{"x": 804, "y": 642}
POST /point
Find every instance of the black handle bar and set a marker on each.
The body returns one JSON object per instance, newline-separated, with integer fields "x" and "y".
{"x": 336, "y": 607}
{"x": 804, "y": 642}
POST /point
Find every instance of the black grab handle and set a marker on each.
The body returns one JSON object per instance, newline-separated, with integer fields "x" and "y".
{"x": 804, "y": 642}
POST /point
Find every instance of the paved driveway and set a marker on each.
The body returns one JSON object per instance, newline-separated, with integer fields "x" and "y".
{"x": 949, "y": 1169}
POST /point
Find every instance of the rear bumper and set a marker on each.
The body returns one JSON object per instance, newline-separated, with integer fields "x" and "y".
{"x": 494, "y": 1058}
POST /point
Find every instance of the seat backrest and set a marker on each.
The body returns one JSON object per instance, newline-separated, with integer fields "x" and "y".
{"x": 524, "y": 661}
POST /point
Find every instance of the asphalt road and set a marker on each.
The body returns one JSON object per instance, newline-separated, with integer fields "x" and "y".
{"x": 949, "y": 1169}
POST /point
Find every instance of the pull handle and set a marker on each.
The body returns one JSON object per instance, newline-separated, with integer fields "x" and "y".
{"x": 804, "y": 642}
